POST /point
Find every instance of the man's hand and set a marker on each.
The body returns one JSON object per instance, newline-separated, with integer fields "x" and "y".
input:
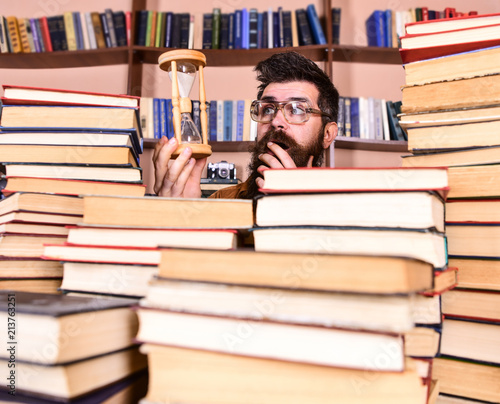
{"x": 179, "y": 178}
{"x": 279, "y": 159}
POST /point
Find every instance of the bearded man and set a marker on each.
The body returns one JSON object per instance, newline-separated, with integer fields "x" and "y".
{"x": 296, "y": 111}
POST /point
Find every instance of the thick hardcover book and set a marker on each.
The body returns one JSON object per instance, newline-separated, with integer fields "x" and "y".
{"x": 57, "y": 32}
{"x": 202, "y": 331}
{"x": 176, "y": 30}
{"x": 24, "y": 33}
{"x": 168, "y": 29}
{"x": 207, "y": 31}
{"x": 120, "y": 28}
{"x": 287, "y": 28}
{"x": 13, "y": 33}
{"x": 311, "y": 384}
{"x": 230, "y": 34}
{"x": 168, "y": 212}
{"x": 216, "y": 17}
{"x": 228, "y": 120}
{"x": 98, "y": 30}
{"x": 105, "y": 30}
{"x": 142, "y": 22}
{"x": 237, "y": 29}
{"x": 316, "y": 28}
{"x": 375, "y": 29}
{"x": 336, "y": 19}
{"x": 78, "y": 30}
{"x": 184, "y": 30}
{"x": 395, "y": 129}
{"x": 355, "y": 117}
{"x": 224, "y": 31}
{"x": 252, "y": 31}
{"x": 355, "y": 179}
{"x": 44, "y": 33}
{"x": 441, "y": 25}
{"x": 428, "y": 246}
{"x": 56, "y": 310}
{"x": 245, "y": 28}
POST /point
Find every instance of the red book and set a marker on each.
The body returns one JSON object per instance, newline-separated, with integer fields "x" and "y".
{"x": 448, "y": 24}
{"x": 44, "y": 27}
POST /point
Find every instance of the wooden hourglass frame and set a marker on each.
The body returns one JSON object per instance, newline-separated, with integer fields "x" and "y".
{"x": 169, "y": 61}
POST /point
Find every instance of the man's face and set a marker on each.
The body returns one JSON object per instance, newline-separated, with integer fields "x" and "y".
{"x": 304, "y": 134}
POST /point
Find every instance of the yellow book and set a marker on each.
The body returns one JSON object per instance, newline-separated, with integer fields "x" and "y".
{"x": 23, "y": 33}
{"x": 15, "y": 37}
{"x": 69, "y": 27}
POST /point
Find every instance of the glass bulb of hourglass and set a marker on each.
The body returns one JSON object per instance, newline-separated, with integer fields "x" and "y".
{"x": 189, "y": 131}
{"x": 186, "y": 73}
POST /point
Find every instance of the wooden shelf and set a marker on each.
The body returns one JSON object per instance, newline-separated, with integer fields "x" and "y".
{"x": 340, "y": 143}
{"x": 62, "y": 59}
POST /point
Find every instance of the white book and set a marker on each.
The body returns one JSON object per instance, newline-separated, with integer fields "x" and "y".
{"x": 385, "y": 119}
{"x": 85, "y": 34}
{"x": 90, "y": 31}
{"x": 270, "y": 41}
{"x": 220, "y": 120}
{"x": 234, "y": 128}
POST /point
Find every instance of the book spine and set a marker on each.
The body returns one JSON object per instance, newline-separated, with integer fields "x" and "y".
{"x": 176, "y": 30}
{"x": 120, "y": 28}
{"x": 228, "y": 120}
{"x": 111, "y": 27}
{"x": 207, "y": 31}
{"x": 4, "y": 46}
{"x": 270, "y": 28}
{"x": 142, "y": 22}
{"x": 78, "y": 30}
{"x": 170, "y": 119}
{"x": 347, "y": 117}
{"x": 316, "y": 29}
{"x": 220, "y": 120}
{"x": 245, "y": 27}
{"x": 224, "y": 31}
{"x": 23, "y": 35}
{"x": 70, "y": 30}
{"x": 213, "y": 121}
{"x": 287, "y": 28}
{"x": 216, "y": 17}
{"x": 98, "y": 30}
{"x": 240, "y": 117}
{"x": 156, "y": 118}
{"x": 169, "y": 17}
{"x": 230, "y": 34}
{"x": 90, "y": 31}
{"x": 253, "y": 29}
{"x": 163, "y": 117}
{"x": 305, "y": 35}
{"x": 237, "y": 29}
{"x": 281, "y": 35}
{"x": 184, "y": 30}
{"x": 341, "y": 117}
{"x": 44, "y": 29}
{"x": 105, "y": 29}
{"x": 336, "y": 15}
{"x": 36, "y": 40}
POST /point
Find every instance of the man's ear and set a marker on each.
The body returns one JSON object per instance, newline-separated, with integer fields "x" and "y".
{"x": 331, "y": 130}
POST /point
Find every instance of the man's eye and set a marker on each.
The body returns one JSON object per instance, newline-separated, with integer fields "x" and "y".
{"x": 297, "y": 110}
{"x": 268, "y": 110}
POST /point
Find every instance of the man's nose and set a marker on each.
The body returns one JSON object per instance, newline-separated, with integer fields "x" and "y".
{"x": 279, "y": 120}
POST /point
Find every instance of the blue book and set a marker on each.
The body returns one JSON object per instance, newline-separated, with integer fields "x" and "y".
{"x": 316, "y": 29}
{"x": 156, "y": 118}
{"x": 212, "y": 129}
{"x": 207, "y": 31}
{"x": 168, "y": 29}
{"x": 77, "y": 22}
{"x": 163, "y": 117}
{"x": 228, "y": 120}
{"x": 230, "y": 34}
{"x": 237, "y": 29}
{"x": 170, "y": 119}
{"x": 142, "y": 18}
{"x": 287, "y": 28}
{"x": 245, "y": 29}
{"x": 264, "y": 33}
{"x": 355, "y": 129}
{"x": 260, "y": 30}
{"x": 276, "y": 29}
{"x": 224, "y": 31}
{"x": 388, "y": 28}
{"x": 375, "y": 28}
{"x": 240, "y": 116}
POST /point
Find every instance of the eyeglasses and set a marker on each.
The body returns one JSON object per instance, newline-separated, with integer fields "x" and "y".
{"x": 294, "y": 111}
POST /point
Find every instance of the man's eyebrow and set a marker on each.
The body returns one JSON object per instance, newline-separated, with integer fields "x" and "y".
{"x": 271, "y": 99}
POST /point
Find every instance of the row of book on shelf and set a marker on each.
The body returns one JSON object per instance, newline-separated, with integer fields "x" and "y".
{"x": 228, "y": 120}
{"x": 385, "y": 28}
{"x": 450, "y": 111}
{"x": 369, "y": 118}
{"x": 246, "y": 28}
{"x": 242, "y": 29}
{"x": 71, "y": 30}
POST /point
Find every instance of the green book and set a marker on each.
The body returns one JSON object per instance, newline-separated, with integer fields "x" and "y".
{"x": 216, "y": 17}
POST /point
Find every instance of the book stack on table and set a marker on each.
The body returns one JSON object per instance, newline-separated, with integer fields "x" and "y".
{"x": 320, "y": 309}
{"x": 451, "y": 105}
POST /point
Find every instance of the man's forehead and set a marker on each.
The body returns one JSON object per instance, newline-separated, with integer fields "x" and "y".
{"x": 291, "y": 91}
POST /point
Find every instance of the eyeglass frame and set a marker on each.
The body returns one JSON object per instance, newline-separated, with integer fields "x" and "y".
{"x": 279, "y": 105}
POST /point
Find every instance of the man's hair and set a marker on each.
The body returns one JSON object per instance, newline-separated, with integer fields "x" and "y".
{"x": 292, "y": 66}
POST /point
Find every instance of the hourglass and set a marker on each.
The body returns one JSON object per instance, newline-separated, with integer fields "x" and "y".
{"x": 182, "y": 65}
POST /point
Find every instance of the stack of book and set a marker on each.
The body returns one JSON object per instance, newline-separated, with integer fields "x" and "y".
{"x": 61, "y": 348}
{"x": 70, "y": 30}
{"x": 450, "y": 111}
{"x": 27, "y": 222}
{"x": 114, "y": 250}
{"x": 307, "y": 310}
{"x": 70, "y": 142}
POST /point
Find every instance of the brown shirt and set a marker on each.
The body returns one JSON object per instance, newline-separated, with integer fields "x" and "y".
{"x": 233, "y": 192}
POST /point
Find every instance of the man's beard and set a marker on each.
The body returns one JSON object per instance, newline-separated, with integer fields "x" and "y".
{"x": 299, "y": 154}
